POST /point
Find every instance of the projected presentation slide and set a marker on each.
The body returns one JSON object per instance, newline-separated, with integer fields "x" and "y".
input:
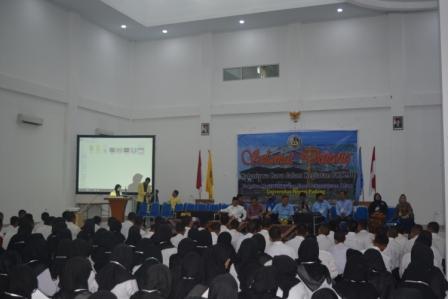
{"x": 104, "y": 161}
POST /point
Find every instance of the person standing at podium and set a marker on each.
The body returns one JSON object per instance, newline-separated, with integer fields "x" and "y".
{"x": 144, "y": 190}
{"x": 117, "y": 191}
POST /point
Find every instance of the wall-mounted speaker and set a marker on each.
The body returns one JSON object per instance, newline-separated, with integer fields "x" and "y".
{"x": 30, "y": 120}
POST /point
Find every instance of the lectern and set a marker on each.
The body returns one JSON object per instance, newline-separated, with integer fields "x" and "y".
{"x": 117, "y": 206}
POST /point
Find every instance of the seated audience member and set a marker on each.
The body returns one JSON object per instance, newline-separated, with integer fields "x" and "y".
{"x": 312, "y": 273}
{"x": 325, "y": 293}
{"x": 380, "y": 243}
{"x": 277, "y": 246}
{"x": 44, "y": 228}
{"x": 217, "y": 261}
{"x": 234, "y": 232}
{"x": 191, "y": 274}
{"x": 301, "y": 233}
{"x": 225, "y": 240}
{"x": 223, "y": 287}
{"x": 286, "y": 273}
{"x": 425, "y": 238}
{"x": 265, "y": 226}
{"x": 321, "y": 206}
{"x": 252, "y": 227}
{"x": 402, "y": 238}
{"x": 264, "y": 284}
{"x": 134, "y": 236}
{"x": 174, "y": 199}
{"x": 103, "y": 243}
{"x": 404, "y": 215}
{"x": 421, "y": 279}
{"x": 437, "y": 240}
{"x": 154, "y": 282}
{"x": 73, "y": 281}
{"x": 22, "y": 284}
{"x": 116, "y": 192}
{"x": 180, "y": 234}
{"x": 224, "y": 220}
{"x": 97, "y": 221}
{"x": 377, "y": 206}
{"x": 351, "y": 239}
{"x": 339, "y": 251}
{"x": 263, "y": 257}
{"x": 87, "y": 231}
{"x": 284, "y": 209}
{"x": 59, "y": 232}
{"x": 70, "y": 219}
{"x": 186, "y": 246}
{"x": 377, "y": 274}
{"x": 19, "y": 240}
{"x": 146, "y": 253}
{"x": 325, "y": 243}
{"x": 246, "y": 264}
{"x": 82, "y": 248}
{"x": 162, "y": 238}
{"x": 215, "y": 229}
{"x": 413, "y": 234}
{"x": 8, "y": 260}
{"x": 116, "y": 275}
{"x": 328, "y": 261}
{"x": 393, "y": 249}
{"x": 235, "y": 210}
{"x": 344, "y": 207}
{"x": 127, "y": 224}
{"x": 10, "y": 231}
{"x": 363, "y": 236}
{"x": 354, "y": 284}
{"x": 303, "y": 206}
{"x": 115, "y": 228}
{"x": 255, "y": 209}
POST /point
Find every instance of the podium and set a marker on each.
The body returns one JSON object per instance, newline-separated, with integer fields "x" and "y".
{"x": 117, "y": 206}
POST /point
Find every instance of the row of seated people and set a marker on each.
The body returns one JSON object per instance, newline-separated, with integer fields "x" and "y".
{"x": 183, "y": 258}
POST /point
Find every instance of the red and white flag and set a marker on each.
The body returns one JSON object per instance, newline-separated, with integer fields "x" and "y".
{"x": 372, "y": 188}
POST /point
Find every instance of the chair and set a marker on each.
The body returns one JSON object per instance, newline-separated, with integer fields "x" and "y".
{"x": 143, "y": 210}
{"x": 179, "y": 208}
{"x": 155, "y": 210}
{"x": 189, "y": 207}
{"x": 333, "y": 212}
{"x": 361, "y": 214}
{"x": 390, "y": 215}
{"x": 201, "y": 208}
{"x": 167, "y": 211}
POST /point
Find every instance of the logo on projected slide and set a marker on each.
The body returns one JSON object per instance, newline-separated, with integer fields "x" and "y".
{"x": 294, "y": 141}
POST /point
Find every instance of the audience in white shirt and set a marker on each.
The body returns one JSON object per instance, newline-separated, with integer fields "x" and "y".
{"x": 363, "y": 236}
{"x": 70, "y": 219}
{"x": 277, "y": 247}
{"x": 127, "y": 224}
{"x": 437, "y": 240}
{"x": 180, "y": 234}
{"x": 339, "y": 251}
{"x": 325, "y": 243}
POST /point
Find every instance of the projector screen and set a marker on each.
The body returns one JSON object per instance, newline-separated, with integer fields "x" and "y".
{"x": 104, "y": 161}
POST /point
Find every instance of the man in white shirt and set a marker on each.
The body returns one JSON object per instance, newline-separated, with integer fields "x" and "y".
{"x": 234, "y": 232}
{"x": 43, "y": 228}
{"x": 415, "y": 231}
{"x": 224, "y": 219}
{"x": 351, "y": 239}
{"x": 11, "y": 230}
{"x": 393, "y": 249}
{"x": 265, "y": 226}
{"x": 363, "y": 237}
{"x": 215, "y": 230}
{"x": 380, "y": 243}
{"x": 328, "y": 261}
{"x": 325, "y": 243}
{"x": 437, "y": 240}
{"x": 235, "y": 211}
{"x": 127, "y": 224}
{"x": 339, "y": 251}
{"x": 277, "y": 247}
{"x": 295, "y": 242}
{"x": 180, "y": 234}
{"x": 70, "y": 219}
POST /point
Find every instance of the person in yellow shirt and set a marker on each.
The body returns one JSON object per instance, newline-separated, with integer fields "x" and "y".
{"x": 117, "y": 191}
{"x": 143, "y": 192}
{"x": 174, "y": 199}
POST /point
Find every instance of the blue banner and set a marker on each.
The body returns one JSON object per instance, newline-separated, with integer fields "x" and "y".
{"x": 273, "y": 164}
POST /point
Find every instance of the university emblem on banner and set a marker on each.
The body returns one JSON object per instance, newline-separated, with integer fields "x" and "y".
{"x": 294, "y": 141}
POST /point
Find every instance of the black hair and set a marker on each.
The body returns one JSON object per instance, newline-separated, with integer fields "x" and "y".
{"x": 352, "y": 226}
{"x": 21, "y": 213}
{"x": 362, "y": 224}
{"x": 224, "y": 218}
{"x": 253, "y": 226}
{"x": 14, "y": 221}
{"x": 66, "y": 215}
{"x": 215, "y": 226}
{"x": 319, "y": 195}
{"x": 97, "y": 220}
{"x": 275, "y": 233}
{"x": 234, "y": 224}
{"x": 266, "y": 222}
{"x": 131, "y": 216}
{"x": 433, "y": 227}
{"x": 381, "y": 238}
{"x": 147, "y": 180}
{"x": 339, "y": 236}
{"x": 301, "y": 230}
{"x": 180, "y": 227}
{"x": 176, "y": 192}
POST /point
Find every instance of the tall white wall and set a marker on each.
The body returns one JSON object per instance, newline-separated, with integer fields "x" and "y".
{"x": 345, "y": 74}
{"x": 75, "y": 76}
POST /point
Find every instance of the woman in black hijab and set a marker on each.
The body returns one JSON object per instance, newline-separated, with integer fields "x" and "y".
{"x": 8, "y": 261}
{"x": 263, "y": 257}
{"x": 310, "y": 269}
{"x": 286, "y": 271}
{"x": 154, "y": 282}
{"x": 325, "y": 293}
{"x": 81, "y": 248}
{"x": 205, "y": 241}
{"x": 103, "y": 295}
{"x": 247, "y": 263}
{"x": 264, "y": 284}
{"x": 417, "y": 278}
{"x": 22, "y": 283}
{"x": 146, "y": 254}
{"x": 133, "y": 236}
{"x": 185, "y": 247}
{"x": 115, "y": 228}
{"x": 192, "y": 268}
{"x": 18, "y": 241}
{"x": 354, "y": 284}
{"x": 87, "y": 231}
{"x": 377, "y": 273}
{"x": 116, "y": 275}
{"x": 36, "y": 254}
{"x": 103, "y": 243}
{"x": 225, "y": 239}
{"x": 217, "y": 260}
{"x": 60, "y": 258}
{"x": 223, "y": 286}
{"x": 73, "y": 280}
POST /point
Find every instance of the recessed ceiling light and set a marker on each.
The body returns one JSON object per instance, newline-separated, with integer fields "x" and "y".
{"x": 242, "y": 22}
{"x": 339, "y": 10}
{"x": 124, "y": 26}
{"x": 164, "y": 31}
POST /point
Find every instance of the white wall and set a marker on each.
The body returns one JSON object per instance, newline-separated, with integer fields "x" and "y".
{"x": 345, "y": 74}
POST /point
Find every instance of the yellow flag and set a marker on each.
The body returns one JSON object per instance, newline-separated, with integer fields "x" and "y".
{"x": 209, "y": 185}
